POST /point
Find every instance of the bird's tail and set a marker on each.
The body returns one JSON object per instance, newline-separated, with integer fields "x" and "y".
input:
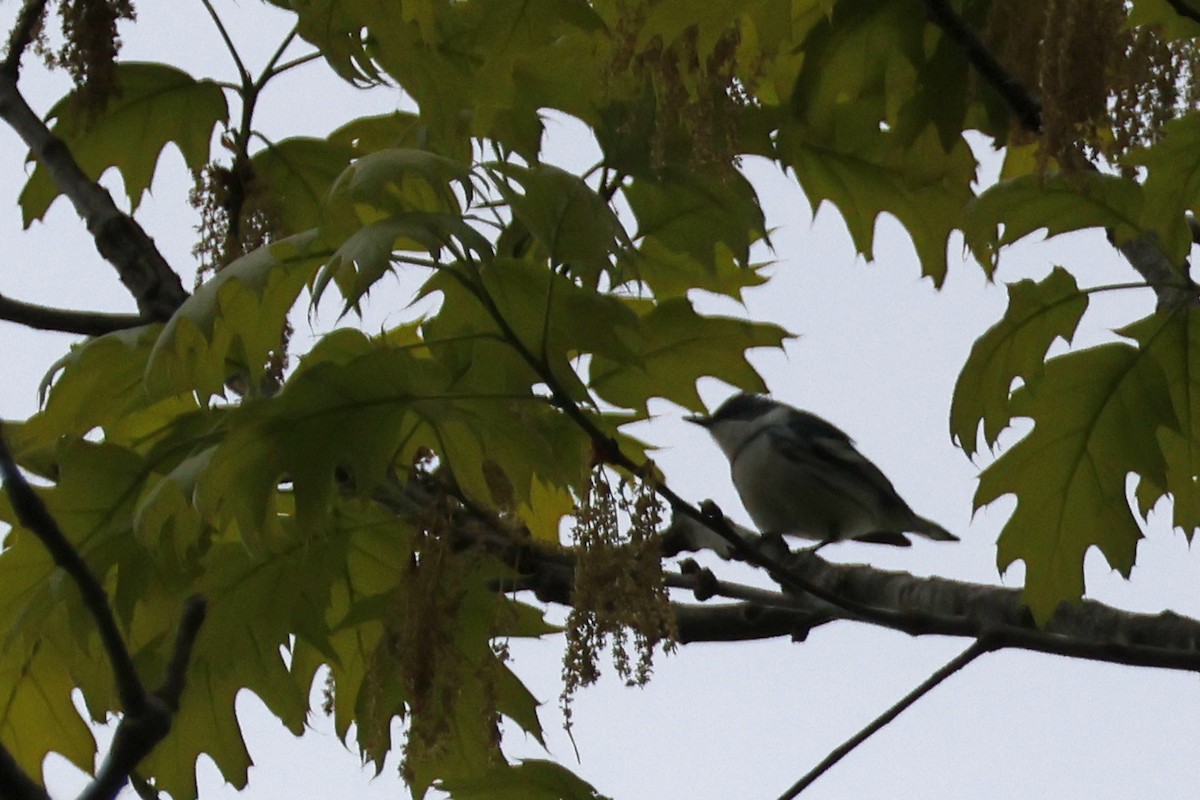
{"x": 931, "y": 530}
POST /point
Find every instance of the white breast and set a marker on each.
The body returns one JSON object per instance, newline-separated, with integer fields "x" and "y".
{"x": 802, "y": 499}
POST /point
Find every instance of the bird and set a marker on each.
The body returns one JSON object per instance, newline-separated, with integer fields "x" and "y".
{"x": 798, "y": 475}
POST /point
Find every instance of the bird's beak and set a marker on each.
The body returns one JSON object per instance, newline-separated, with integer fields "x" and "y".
{"x": 703, "y": 420}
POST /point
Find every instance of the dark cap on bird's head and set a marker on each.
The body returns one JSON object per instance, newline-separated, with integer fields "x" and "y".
{"x": 742, "y": 406}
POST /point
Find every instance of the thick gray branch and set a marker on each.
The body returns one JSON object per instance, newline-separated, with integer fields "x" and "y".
{"x": 1090, "y": 630}
{"x": 898, "y": 601}
{"x": 120, "y": 240}
{"x": 1172, "y": 286}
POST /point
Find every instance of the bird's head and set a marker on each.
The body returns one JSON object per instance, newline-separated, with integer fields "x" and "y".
{"x": 739, "y": 418}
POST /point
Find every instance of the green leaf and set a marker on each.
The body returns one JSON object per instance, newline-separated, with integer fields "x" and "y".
{"x": 1172, "y": 185}
{"x": 866, "y": 172}
{"x": 533, "y": 779}
{"x": 366, "y": 254}
{"x": 296, "y": 174}
{"x": 336, "y": 27}
{"x": 568, "y": 219}
{"x": 1174, "y": 343}
{"x": 545, "y": 509}
{"x": 466, "y": 65}
{"x": 232, "y": 323}
{"x": 157, "y": 104}
{"x": 1013, "y": 209}
{"x": 672, "y": 274}
{"x": 93, "y": 502}
{"x": 351, "y": 416}
{"x": 1015, "y": 347}
{"x": 364, "y": 415}
{"x": 863, "y": 54}
{"x": 398, "y": 129}
{"x": 400, "y": 181}
{"x": 254, "y": 605}
{"x": 1164, "y": 18}
{"x": 1069, "y": 473}
{"x": 98, "y": 384}
{"x": 50, "y": 646}
{"x": 549, "y": 314}
{"x": 699, "y": 221}
{"x": 671, "y": 19}
{"x": 37, "y": 716}
{"x": 675, "y": 347}
{"x": 166, "y": 522}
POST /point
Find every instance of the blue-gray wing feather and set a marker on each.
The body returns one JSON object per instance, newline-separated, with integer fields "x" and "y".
{"x": 831, "y": 454}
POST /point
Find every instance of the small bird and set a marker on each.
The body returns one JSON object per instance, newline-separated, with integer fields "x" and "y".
{"x": 799, "y": 475}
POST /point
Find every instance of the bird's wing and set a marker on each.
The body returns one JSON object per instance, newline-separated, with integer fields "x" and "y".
{"x": 813, "y": 439}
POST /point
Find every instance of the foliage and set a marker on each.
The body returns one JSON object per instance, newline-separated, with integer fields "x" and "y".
{"x": 177, "y": 461}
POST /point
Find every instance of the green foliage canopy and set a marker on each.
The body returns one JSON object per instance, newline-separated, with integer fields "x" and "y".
{"x": 558, "y": 316}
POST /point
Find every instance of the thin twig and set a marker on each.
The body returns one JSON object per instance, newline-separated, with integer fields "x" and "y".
{"x": 21, "y": 37}
{"x": 1023, "y": 103}
{"x": 194, "y": 611}
{"x": 269, "y": 70}
{"x": 976, "y": 649}
{"x": 243, "y": 73}
{"x": 295, "y": 62}
{"x": 44, "y": 318}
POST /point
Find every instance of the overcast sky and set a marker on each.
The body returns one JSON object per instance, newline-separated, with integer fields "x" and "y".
{"x": 877, "y": 353}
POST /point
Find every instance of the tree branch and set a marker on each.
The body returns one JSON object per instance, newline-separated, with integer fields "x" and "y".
{"x": 87, "y": 323}
{"x": 908, "y": 604}
{"x": 954, "y": 665}
{"x": 147, "y": 717}
{"x": 136, "y": 736}
{"x": 33, "y": 514}
{"x": 1020, "y": 99}
{"x": 21, "y": 36}
{"x": 1173, "y": 287}
{"x": 119, "y": 239}
{"x": 14, "y": 783}
{"x": 1089, "y": 630}
{"x": 1145, "y": 253}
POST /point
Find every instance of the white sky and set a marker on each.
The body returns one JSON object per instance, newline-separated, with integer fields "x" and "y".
{"x": 878, "y": 352}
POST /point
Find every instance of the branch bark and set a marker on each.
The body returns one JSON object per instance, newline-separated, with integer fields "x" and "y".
{"x": 14, "y": 783}
{"x": 119, "y": 239}
{"x": 899, "y": 601}
{"x": 87, "y": 323}
{"x": 1145, "y": 254}
{"x": 147, "y": 716}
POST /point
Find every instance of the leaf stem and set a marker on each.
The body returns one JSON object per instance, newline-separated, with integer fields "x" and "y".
{"x": 295, "y": 62}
